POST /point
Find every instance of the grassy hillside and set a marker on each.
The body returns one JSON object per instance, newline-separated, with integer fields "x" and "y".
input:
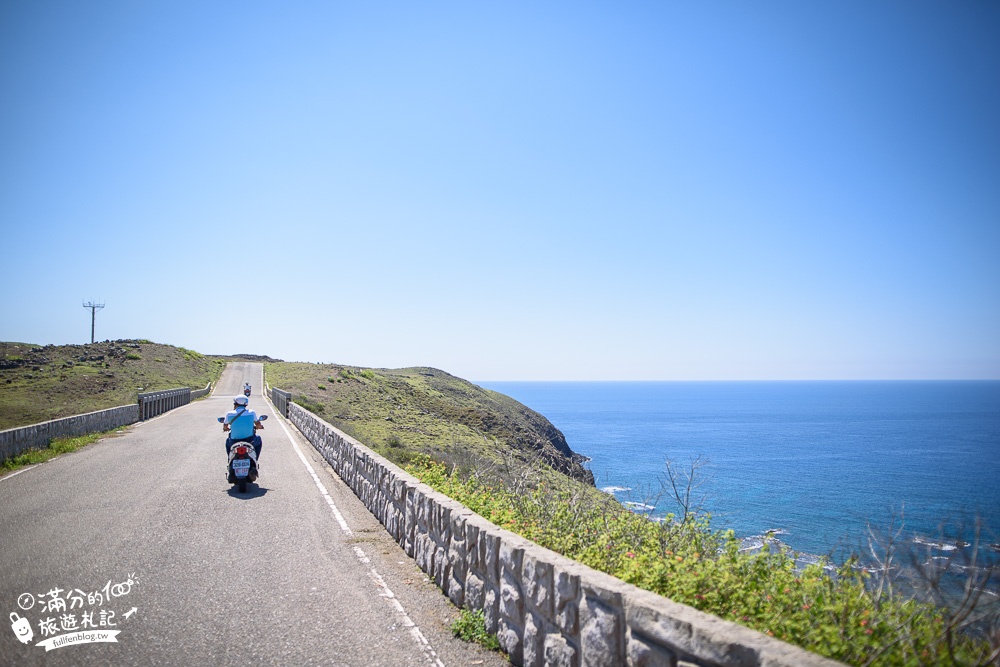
{"x": 40, "y": 383}
{"x": 423, "y": 410}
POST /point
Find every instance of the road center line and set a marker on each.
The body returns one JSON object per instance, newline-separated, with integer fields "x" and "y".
{"x": 384, "y": 591}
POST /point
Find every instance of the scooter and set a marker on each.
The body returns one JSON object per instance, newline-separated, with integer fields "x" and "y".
{"x": 246, "y": 390}
{"x": 242, "y": 464}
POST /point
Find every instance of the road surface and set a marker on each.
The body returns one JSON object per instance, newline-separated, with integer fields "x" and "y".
{"x": 140, "y": 535}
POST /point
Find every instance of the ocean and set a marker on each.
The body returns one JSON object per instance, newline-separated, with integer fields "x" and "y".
{"x": 819, "y": 462}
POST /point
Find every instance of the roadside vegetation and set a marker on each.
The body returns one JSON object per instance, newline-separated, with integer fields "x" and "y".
{"x": 846, "y": 612}
{"x": 402, "y": 413}
{"x": 40, "y": 383}
{"x": 470, "y": 626}
{"x": 56, "y": 447}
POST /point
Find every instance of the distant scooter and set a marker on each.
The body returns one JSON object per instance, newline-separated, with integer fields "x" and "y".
{"x": 242, "y": 464}
{"x": 246, "y": 390}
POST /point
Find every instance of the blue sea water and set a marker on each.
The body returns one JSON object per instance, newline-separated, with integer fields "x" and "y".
{"x": 819, "y": 460}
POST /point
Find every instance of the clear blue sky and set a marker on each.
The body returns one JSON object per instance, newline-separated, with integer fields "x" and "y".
{"x": 511, "y": 191}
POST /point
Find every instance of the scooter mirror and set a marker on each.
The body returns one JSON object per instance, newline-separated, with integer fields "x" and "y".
{"x": 221, "y": 419}
{"x": 263, "y": 417}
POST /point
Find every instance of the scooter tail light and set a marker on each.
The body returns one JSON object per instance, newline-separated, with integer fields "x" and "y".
{"x": 241, "y": 451}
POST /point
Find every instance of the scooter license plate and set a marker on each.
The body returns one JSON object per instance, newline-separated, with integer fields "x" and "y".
{"x": 241, "y": 467}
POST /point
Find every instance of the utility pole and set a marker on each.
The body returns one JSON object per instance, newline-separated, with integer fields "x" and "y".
{"x": 94, "y": 307}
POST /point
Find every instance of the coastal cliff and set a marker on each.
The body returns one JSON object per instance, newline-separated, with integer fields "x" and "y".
{"x": 400, "y": 412}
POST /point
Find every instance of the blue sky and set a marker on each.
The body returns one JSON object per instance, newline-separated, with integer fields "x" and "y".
{"x": 511, "y": 191}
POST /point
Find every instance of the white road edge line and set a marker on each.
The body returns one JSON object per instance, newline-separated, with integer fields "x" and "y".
{"x": 385, "y": 592}
{"x": 18, "y": 472}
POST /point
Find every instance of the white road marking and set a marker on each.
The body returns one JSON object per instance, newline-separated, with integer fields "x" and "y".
{"x": 384, "y": 591}
{"x": 18, "y": 472}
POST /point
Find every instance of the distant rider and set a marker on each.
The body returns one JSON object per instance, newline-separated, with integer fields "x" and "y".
{"x": 241, "y": 424}
{"x": 246, "y": 389}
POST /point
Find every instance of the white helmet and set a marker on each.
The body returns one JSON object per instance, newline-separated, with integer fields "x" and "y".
{"x": 240, "y": 400}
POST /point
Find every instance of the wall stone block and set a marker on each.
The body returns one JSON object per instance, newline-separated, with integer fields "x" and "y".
{"x": 441, "y": 568}
{"x": 559, "y": 652}
{"x": 473, "y": 554}
{"x": 511, "y": 599}
{"x": 602, "y": 638}
{"x": 491, "y": 556}
{"x": 491, "y": 608}
{"x": 511, "y": 556}
{"x": 642, "y": 653}
{"x": 509, "y": 636}
{"x": 537, "y": 576}
{"x": 532, "y": 643}
{"x": 475, "y": 592}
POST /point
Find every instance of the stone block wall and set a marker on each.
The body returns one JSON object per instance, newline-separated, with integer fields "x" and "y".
{"x": 545, "y": 609}
{"x": 198, "y": 393}
{"x": 16, "y": 440}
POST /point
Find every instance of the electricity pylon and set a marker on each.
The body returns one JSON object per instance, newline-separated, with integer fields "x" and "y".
{"x": 94, "y": 307}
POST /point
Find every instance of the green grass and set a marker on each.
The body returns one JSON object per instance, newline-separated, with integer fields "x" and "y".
{"x": 403, "y": 412}
{"x": 56, "y": 447}
{"x": 471, "y": 627}
{"x": 42, "y": 383}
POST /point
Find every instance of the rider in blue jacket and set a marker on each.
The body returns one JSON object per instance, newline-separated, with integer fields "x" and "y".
{"x": 241, "y": 423}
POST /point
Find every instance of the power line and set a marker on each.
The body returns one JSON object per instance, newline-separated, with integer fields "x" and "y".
{"x": 94, "y": 307}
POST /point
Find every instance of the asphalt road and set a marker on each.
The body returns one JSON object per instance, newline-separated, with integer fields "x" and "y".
{"x": 140, "y": 534}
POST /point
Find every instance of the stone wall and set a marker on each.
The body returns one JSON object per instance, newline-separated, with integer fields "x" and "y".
{"x": 16, "y": 440}
{"x": 198, "y": 393}
{"x": 544, "y": 608}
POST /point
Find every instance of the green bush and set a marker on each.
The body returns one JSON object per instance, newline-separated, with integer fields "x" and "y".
{"x": 309, "y": 404}
{"x": 470, "y": 626}
{"x": 831, "y": 614}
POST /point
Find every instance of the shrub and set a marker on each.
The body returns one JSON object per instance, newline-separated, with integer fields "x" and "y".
{"x": 470, "y": 626}
{"x": 830, "y": 614}
{"x": 309, "y": 404}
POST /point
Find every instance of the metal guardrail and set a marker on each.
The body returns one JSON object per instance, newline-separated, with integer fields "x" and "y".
{"x": 156, "y": 403}
{"x": 281, "y": 399}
